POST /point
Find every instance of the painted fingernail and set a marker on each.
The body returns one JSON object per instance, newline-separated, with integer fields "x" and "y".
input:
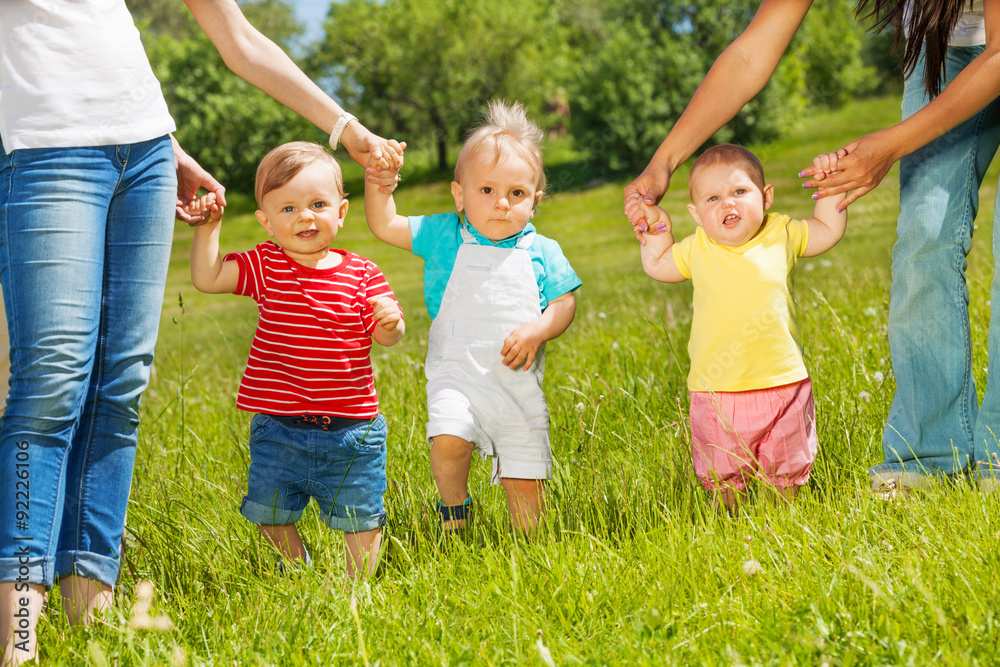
{"x": 841, "y": 209}
{"x": 802, "y": 174}
{"x": 805, "y": 185}
{"x": 816, "y": 196}
{"x": 661, "y": 228}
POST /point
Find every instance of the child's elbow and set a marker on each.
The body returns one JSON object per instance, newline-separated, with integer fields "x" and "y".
{"x": 198, "y": 283}
{"x": 206, "y": 286}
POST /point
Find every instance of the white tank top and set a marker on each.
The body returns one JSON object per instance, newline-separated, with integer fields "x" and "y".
{"x": 74, "y": 73}
{"x": 971, "y": 28}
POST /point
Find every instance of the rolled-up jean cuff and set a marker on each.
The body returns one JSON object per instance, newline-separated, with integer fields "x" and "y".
{"x": 268, "y": 515}
{"x": 38, "y": 570}
{"x": 355, "y": 524}
{"x": 915, "y": 467}
{"x": 88, "y": 565}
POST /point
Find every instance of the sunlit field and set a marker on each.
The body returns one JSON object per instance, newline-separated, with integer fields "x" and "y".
{"x": 634, "y": 565}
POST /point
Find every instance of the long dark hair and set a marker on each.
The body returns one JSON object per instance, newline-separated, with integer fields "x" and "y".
{"x": 929, "y": 24}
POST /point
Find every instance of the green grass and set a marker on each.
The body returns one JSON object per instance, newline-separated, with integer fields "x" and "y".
{"x": 635, "y": 566}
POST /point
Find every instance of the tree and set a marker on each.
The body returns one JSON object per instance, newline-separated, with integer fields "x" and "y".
{"x": 224, "y": 122}
{"x": 424, "y": 69}
{"x": 652, "y": 54}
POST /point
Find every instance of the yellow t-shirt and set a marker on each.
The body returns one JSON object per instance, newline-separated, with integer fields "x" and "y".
{"x": 743, "y": 333}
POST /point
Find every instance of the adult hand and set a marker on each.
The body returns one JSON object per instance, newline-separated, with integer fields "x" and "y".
{"x": 361, "y": 143}
{"x": 191, "y": 178}
{"x": 387, "y": 178}
{"x": 859, "y": 171}
{"x": 646, "y": 190}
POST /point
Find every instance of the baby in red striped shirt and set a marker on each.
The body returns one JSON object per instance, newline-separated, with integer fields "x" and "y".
{"x": 317, "y": 432}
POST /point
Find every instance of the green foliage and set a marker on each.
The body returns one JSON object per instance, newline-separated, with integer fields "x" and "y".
{"x": 831, "y": 46}
{"x": 615, "y": 74}
{"x": 424, "y": 69}
{"x": 224, "y": 122}
{"x": 644, "y": 67}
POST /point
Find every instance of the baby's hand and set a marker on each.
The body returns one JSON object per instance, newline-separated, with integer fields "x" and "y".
{"x": 386, "y": 312}
{"x": 827, "y": 163}
{"x": 657, "y": 221}
{"x": 520, "y": 347}
{"x": 384, "y": 171}
{"x": 204, "y": 210}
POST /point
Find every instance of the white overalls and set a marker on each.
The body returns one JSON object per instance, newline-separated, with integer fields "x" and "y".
{"x": 470, "y": 393}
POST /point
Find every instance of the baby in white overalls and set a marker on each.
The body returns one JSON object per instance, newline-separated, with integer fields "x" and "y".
{"x": 496, "y": 292}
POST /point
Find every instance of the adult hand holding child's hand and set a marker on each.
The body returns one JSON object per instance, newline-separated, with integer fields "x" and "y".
{"x": 861, "y": 166}
{"x": 384, "y": 170}
{"x": 656, "y": 221}
{"x": 191, "y": 177}
{"x": 646, "y": 190}
{"x": 204, "y": 210}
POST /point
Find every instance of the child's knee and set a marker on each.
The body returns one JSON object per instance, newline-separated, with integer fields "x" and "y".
{"x": 452, "y": 446}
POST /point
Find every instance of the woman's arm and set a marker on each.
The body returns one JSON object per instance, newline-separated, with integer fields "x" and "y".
{"x": 259, "y": 61}
{"x": 869, "y": 158}
{"x": 739, "y": 73}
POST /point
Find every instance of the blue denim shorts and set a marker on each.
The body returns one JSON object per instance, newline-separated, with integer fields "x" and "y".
{"x": 341, "y": 465}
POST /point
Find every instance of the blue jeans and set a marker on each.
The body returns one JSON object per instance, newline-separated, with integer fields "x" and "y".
{"x": 343, "y": 468}
{"x": 84, "y": 244}
{"x": 935, "y": 425}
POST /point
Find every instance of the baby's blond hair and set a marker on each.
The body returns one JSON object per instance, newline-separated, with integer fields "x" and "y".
{"x": 284, "y": 162}
{"x": 506, "y": 128}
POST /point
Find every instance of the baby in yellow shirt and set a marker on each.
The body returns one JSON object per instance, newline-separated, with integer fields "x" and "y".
{"x": 752, "y": 411}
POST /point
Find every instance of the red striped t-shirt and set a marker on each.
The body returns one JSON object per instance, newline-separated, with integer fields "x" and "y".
{"x": 310, "y": 354}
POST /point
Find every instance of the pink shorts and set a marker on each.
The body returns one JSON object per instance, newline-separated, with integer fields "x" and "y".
{"x": 768, "y": 433}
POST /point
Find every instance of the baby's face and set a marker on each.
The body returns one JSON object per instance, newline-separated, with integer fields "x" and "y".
{"x": 498, "y": 200}
{"x": 305, "y": 214}
{"x": 727, "y": 203}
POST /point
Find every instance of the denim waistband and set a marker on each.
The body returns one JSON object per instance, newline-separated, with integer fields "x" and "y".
{"x": 324, "y": 422}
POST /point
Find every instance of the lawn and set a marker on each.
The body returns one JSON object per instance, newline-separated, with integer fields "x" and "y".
{"x": 634, "y": 566}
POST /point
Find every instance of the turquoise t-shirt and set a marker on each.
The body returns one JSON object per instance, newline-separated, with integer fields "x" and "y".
{"x": 436, "y": 239}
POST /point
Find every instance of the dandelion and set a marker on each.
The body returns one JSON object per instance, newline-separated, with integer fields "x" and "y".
{"x": 825, "y": 263}
{"x": 614, "y": 345}
{"x": 543, "y": 651}
{"x": 810, "y": 267}
{"x": 878, "y": 376}
{"x": 864, "y": 397}
{"x": 580, "y": 407}
{"x": 141, "y": 619}
{"x": 97, "y": 656}
{"x": 870, "y": 311}
{"x": 751, "y": 568}
{"x": 602, "y": 315}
